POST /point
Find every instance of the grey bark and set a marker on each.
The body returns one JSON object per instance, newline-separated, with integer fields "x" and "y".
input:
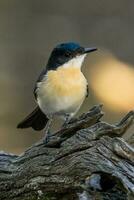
{"x": 87, "y": 159}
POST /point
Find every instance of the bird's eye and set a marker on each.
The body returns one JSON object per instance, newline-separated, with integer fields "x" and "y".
{"x": 68, "y": 54}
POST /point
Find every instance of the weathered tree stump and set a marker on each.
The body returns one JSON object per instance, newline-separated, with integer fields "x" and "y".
{"x": 88, "y": 159}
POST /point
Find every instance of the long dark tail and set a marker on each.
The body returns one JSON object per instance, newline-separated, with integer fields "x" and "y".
{"x": 37, "y": 120}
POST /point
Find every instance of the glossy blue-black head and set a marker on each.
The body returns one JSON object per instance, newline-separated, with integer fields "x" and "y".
{"x": 65, "y": 52}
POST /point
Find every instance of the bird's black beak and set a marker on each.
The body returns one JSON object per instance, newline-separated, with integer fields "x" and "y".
{"x": 88, "y": 50}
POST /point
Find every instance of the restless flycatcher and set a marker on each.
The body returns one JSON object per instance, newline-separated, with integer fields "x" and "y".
{"x": 61, "y": 87}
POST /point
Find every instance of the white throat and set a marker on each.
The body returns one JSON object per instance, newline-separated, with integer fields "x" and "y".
{"x": 75, "y": 62}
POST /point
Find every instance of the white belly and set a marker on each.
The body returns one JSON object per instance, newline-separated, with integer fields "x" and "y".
{"x": 59, "y": 93}
{"x": 60, "y": 105}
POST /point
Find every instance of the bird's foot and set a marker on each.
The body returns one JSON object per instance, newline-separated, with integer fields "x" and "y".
{"x": 67, "y": 122}
{"x": 64, "y": 125}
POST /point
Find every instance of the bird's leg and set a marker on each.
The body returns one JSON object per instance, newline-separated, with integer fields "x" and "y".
{"x": 67, "y": 119}
{"x": 47, "y": 129}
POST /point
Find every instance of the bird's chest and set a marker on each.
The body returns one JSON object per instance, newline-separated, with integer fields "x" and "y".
{"x": 62, "y": 88}
{"x": 64, "y": 82}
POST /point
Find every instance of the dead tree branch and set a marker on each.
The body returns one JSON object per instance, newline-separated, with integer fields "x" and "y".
{"x": 87, "y": 159}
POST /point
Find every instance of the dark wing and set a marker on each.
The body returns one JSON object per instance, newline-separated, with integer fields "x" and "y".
{"x": 41, "y": 76}
{"x": 37, "y": 119}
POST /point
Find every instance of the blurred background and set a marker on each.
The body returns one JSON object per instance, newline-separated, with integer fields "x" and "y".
{"x": 29, "y": 29}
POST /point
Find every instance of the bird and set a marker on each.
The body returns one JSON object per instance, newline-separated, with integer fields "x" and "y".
{"x": 60, "y": 88}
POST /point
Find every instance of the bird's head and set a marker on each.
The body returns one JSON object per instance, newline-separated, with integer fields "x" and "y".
{"x": 67, "y": 54}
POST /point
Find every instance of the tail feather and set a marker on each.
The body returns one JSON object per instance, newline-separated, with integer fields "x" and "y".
{"x": 37, "y": 120}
